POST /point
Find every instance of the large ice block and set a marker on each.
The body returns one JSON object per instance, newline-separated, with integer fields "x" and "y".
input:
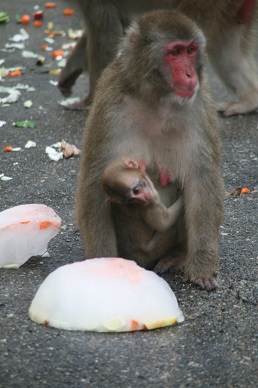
{"x": 105, "y": 294}
{"x": 25, "y": 231}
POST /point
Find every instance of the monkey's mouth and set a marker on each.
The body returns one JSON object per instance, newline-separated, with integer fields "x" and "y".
{"x": 184, "y": 92}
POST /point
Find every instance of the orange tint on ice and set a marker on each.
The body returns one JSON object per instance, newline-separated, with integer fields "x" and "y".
{"x": 45, "y": 225}
{"x": 118, "y": 267}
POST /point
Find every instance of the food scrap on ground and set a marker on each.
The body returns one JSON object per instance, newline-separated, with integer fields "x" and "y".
{"x": 24, "y": 124}
{"x": 69, "y": 149}
{"x": 30, "y": 144}
{"x": 5, "y": 178}
{"x": 13, "y": 95}
{"x": 237, "y": 191}
{"x": 25, "y": 231}
{"x": 61, "y": 150}
{"x": 4, "y": 17}
{"x": 105, "y": 295}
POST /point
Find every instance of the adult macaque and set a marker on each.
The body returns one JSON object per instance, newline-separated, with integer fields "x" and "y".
{"x": 152, "y": 103}
{"x": 227, "y": 24}
{"x": 136, "y": 203}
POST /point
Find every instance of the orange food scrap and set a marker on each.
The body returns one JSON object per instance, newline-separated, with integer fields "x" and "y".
{"x": 244, "y": 190}
{"x": 68, "y": 11}
{"x": 25, "y": 19}
{"x": 44, "y": 47}
{"x": 37, "y": 23}
{"x": 24, "y": 222}
{"x": 50, "y": 5}
{"x": 51, "y": 34}
{"x": 57, "y": 53}
{"x": 8, "y": 149}
{"x": 45, "y": 224}
{"x": 15, "y": 73}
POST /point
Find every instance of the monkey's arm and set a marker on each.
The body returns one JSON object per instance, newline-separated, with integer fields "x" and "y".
{"x": 161, "y": 218}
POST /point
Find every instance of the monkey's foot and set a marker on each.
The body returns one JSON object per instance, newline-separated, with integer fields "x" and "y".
{"x": 209, "y": 284}
{"x": 174, "y": 261}
{"x": 237, "y": 108}
{"x": 67, "y": 80}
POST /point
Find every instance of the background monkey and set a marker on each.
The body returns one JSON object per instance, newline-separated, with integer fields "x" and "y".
{"x": 228, "y": 25}
{"x": 153, "y": 104}
{"x": 143, "y": 216}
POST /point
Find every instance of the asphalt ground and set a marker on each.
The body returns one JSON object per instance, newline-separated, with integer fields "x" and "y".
{"x": 216, "y": 346}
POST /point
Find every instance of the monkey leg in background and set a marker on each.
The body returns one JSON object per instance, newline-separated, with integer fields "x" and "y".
{"x": 228, "y": 25}
{"x": 152, "y": 103}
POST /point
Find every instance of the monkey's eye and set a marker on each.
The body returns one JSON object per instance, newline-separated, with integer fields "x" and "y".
{"x": 136, "y": 190}
{"x": 190, "y": 50}
{"x": 175, "y": 52}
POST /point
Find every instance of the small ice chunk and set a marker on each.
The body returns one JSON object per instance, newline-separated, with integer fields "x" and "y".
{"x": 105, "y": 294}
{"x": 25, "y": 231}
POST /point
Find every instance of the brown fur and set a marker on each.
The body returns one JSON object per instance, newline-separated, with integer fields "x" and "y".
{"x": 147, "y": 122}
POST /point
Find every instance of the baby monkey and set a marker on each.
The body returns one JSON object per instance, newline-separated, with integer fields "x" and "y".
{"x": 147, "y": 219}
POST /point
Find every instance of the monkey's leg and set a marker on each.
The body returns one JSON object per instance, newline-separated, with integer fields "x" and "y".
{"x": 203, "y": 213}
{"x": 76, "y": 64}
{"x": 233, "y": 58}
{"x": 104, "y": 29}
{"x": 242, "y": 78}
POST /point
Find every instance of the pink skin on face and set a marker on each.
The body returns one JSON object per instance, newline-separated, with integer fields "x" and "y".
{"x": 180, "y": 58}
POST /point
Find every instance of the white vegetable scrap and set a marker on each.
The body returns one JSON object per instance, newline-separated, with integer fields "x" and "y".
{"x": 27, "y": 104}
{"x": 3, "y": 72}
{"x": 62, "y": 63}
{"x": 25, "y": 231}
{"x": 23, "y": 35}
{"x": 13, "y": 95}
{"x": 54, "y": 83}
{"x": 2, "y": 123}
{"x": 105, "y": 294}
{"x": 29, "y": 54}
{"x": 19, "y": 46}
{"x": 54, "y": 154}
{"x": 5, "y": 178}
{"x": 69, "y": 101}
{"x": 30, "y": 144}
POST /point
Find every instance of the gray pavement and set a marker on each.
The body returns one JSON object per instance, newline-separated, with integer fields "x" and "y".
{"x": 216, "y": 346}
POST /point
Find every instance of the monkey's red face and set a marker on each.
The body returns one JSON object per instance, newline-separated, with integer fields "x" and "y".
{"x": 179, "y": 59}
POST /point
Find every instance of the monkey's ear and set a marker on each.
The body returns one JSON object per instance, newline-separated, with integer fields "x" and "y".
{"x": 129, "y": 163}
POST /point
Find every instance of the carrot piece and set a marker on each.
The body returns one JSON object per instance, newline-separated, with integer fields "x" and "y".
{"x": 45, "y": 224}
{"x": 8, "y": 149}
{"x": 51, "y": 34}
{"x": 43, "y": 47}
{"x": 68, "y": 11}
{"x": 25, "y": 19}
{"x": 49, "y": 4}
{"x": 24, "y": 222}
{"x": 37, "y": 23}
{"x": 244, "y": 190}
{"x": 57, "y": 53}
{"x": 15, "y": 73}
